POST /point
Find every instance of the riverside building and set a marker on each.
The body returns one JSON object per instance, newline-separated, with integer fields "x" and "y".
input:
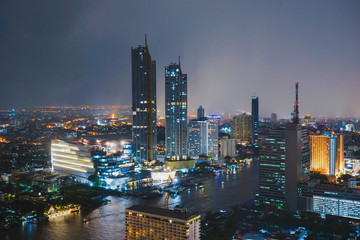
{"x": 145, "y": 222}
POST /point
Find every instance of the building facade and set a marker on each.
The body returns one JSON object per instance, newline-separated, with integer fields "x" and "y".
{"x": 198, "y": 138}
{"x": 255, "y": 121}
{"x": 175, "y": 111}
{"x": 241, "y": 128}
{"x": 327, "y": 154}
{"x": 332, "y": 199}
{"x": 284, "y": 161}
{"x": 143, "y": 102}
{"x": 228, "y": 147}
{"x": 71, "y": 159}
{"x": 213, "y": 136}
{"x": 145, "y": 222}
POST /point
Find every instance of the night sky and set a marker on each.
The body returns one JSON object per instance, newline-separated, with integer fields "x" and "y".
{"x": 78, "y": 52}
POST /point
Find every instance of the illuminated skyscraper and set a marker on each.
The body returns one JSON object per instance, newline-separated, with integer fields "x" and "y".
{"x": 213, "y": 149}
{"x": 143, "y": 103}
{"x": 198, "y": 138}
{"x": 241, "y": 128}
{"x": 327, "y": 154}
{"x": 175, "y": 111}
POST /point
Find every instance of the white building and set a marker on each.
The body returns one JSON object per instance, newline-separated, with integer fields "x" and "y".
{"x": 228, "y": 147}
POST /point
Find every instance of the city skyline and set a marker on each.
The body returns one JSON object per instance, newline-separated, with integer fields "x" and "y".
{"x": 81, "y": 56}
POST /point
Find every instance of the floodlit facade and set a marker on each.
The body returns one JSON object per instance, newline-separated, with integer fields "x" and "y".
{"x": 213, "y": 149}
{"x": 241, "y": 128}
{"x": 329, "y": 199}
{"x": 198, "y": 138}
{"x": 175, "y": 111}
{"x": 144, "y": 222}
{"x": 72, "y": 159}
{"x": 143, "y": 87}
{"x": 327, "y": 154}
{"x": 228, "y": 147}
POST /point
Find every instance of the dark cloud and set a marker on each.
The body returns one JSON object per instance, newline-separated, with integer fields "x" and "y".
{"x": 78, "y": 52}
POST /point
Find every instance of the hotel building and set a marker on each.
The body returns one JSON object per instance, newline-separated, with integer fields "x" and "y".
{"x": 145, "y": 222}
{"x": 327, "y": 154}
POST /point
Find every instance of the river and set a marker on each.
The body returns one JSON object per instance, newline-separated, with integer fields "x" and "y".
{"x": 108, "y": 221}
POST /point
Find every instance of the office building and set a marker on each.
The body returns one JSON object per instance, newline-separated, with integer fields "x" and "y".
{"x": 175, "y": 111}
{"x": 327, "y": 154}
{"x": 213, "y": 133}
{"x": 228, "y": 147}
{"x": 143, "y": 103}
{"x": 198, "y": 138}
{"x": 145, "y": 222}
{"x": 255, "y": 122}
{"x": 284, "y": 162}
{"x": 241, "y": 128}
{"x": 72, "y": 159}
{"x": 200, "y": 113}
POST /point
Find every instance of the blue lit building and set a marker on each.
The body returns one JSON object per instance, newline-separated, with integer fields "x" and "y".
{"x": 175, "y": 111}
{"x": 143, "y": 88}
{"x": 111, "y": 166}
{"x": 213, "y": 139}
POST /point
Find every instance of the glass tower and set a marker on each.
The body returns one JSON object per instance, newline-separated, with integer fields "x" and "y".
{"x": 175, "y": 111}
{"x": 143, "y": 102}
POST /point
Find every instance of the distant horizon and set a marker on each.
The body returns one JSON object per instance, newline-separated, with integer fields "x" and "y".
{"x": 191, "y": 112}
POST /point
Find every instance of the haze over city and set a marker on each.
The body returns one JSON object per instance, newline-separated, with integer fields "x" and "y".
{"x": 78, "y": 53}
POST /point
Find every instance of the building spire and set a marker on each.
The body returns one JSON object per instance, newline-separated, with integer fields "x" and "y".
{"x": 145, "y": 40}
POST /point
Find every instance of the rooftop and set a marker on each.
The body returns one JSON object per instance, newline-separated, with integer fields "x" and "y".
{"x": 163, "y": 212}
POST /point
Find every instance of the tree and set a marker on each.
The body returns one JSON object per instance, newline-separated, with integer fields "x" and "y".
{"x": 95, "y": 180}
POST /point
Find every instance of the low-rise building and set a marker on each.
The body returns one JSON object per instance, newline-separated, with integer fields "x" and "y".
{"x": 145, "y": 222}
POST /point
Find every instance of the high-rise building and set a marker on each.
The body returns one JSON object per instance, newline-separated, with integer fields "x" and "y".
{"x": 241, "y": 128}
{"x": 228, "y": 147}
{"x": 327, "y": 154}
{"x": 198, "y": 138}
{"x": 175, "y": 111}
{"x": 200, "y": 112}
{"x": 145, "y": 222}
{"x": 284, "y": 162}
{"x": 255, "y": 122}
{"x": 213, "y": 132}
{"x": 273, "y": 117}
{"x": 143, "y": 103}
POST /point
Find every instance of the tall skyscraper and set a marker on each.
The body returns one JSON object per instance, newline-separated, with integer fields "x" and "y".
{"x": 284, "y": 162}
{"x": 200, "y": 113}
{"x": 255, "y": 122}
{"x": 198, "y": 138}
{"x": 241, "y": 128}
{"x": 176, "y": 111}
{"x": 143, "y": 103}
{"x": 213, "y": 149}
{"x": 327, "y": 154}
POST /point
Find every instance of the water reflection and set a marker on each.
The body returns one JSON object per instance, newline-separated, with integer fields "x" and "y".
{"x": 224, "y": 190}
